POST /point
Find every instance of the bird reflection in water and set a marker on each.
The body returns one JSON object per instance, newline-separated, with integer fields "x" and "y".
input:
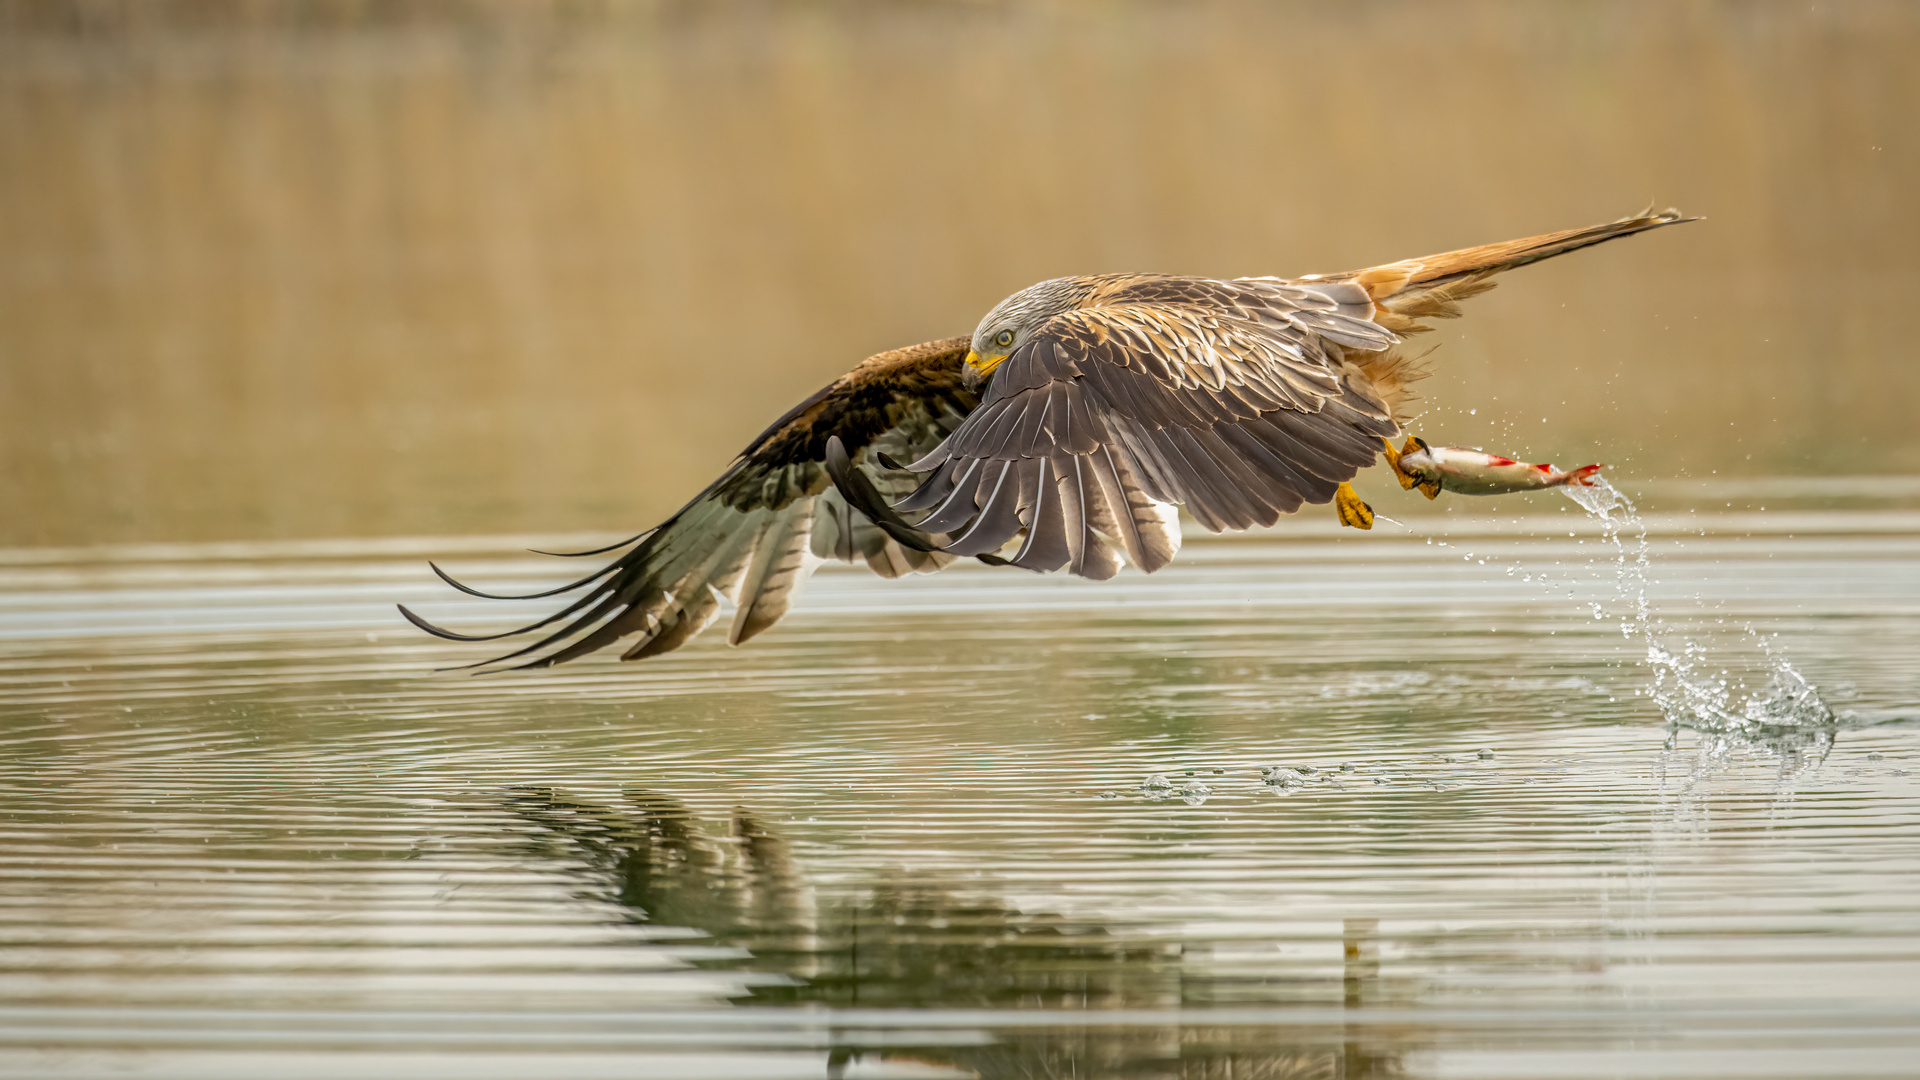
{"x": 903, "y": 942}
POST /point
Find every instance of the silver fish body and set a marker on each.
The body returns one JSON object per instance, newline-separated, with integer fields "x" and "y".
{"x": 1434, "y": 469}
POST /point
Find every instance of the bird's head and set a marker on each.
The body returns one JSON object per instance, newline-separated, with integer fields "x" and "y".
{"x": 1015, "y": 319}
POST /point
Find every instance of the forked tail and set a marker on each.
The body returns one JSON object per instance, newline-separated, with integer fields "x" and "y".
{"x": 1431, "y": 286}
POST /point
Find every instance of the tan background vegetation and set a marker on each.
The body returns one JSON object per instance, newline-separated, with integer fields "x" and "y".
{"x": 305, "y": 269}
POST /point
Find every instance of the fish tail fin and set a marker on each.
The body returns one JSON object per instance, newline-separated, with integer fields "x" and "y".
{"x": 1583, "y": 476}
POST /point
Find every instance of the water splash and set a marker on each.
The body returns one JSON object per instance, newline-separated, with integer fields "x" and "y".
{"x": 1684, "y": 687}
{"x": 1157, "y": 788}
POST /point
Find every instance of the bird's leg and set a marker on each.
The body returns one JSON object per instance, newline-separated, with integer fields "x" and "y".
{"x": 1429, "y": 488}
{"x": 1353, "y": 511}
{"x": 1407, "y": 479}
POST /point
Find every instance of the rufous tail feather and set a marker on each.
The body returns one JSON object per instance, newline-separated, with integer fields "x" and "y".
{"x": 1432, "y": 286}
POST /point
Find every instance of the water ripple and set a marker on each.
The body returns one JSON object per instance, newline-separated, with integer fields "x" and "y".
{"x": 1429, "y": 824}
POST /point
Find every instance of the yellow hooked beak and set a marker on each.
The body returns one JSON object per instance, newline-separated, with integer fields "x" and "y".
{"x": 982, "y": 366}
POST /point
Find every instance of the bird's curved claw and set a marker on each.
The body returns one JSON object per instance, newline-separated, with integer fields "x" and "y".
{"x": 1407, "y": 479}
{"x": 1353, "y": 511}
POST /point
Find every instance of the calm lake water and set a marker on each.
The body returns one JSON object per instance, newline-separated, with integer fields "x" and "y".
{"x": 1304, "y": 805}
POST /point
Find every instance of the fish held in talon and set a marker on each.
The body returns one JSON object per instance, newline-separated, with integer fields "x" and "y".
{"x": 1434, "y": 469}
{"x": 1067, "y": 432}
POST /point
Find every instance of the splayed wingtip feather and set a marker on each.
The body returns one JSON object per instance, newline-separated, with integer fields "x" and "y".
{"x": 555, "y": 591}
{"x": 634, "y": 539}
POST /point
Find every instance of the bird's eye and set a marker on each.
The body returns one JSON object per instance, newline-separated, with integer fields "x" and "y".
{"x": 1003, "y": 339}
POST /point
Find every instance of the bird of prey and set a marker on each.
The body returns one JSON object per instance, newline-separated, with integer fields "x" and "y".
{"x": 1064, "y": 433}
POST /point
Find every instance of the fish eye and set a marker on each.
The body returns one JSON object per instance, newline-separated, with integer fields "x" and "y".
{"x": 1003, "y": 339}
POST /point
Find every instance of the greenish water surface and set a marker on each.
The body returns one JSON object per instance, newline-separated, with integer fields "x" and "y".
{"x": 1299, "y": 806}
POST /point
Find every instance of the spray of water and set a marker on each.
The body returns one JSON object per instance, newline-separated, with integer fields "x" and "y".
{"x": 1684, "y": 687}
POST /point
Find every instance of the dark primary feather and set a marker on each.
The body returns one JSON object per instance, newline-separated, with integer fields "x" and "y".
{"x": 615, "y": 546}
{"x": 754, "y": 534}
{"x": 860, "y": 493}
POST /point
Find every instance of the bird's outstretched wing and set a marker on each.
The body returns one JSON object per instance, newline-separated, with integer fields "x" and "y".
{"x": 1240, "y": 400}
{"x": 755, "y": 534}
{"x": 1232, "y": 398}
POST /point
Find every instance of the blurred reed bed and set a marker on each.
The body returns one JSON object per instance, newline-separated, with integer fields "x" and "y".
{"x": 352, "y": 268}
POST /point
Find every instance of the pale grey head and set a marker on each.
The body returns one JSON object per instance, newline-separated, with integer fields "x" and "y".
{"x": 1013, "y": 320}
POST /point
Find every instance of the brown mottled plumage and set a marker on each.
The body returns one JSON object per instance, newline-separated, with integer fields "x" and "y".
{"x": 1103, "y": 403}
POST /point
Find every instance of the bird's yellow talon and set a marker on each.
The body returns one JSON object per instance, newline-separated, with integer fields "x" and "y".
{"x": 1406, "y": 478}
{"x": 1353, "y": 511}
